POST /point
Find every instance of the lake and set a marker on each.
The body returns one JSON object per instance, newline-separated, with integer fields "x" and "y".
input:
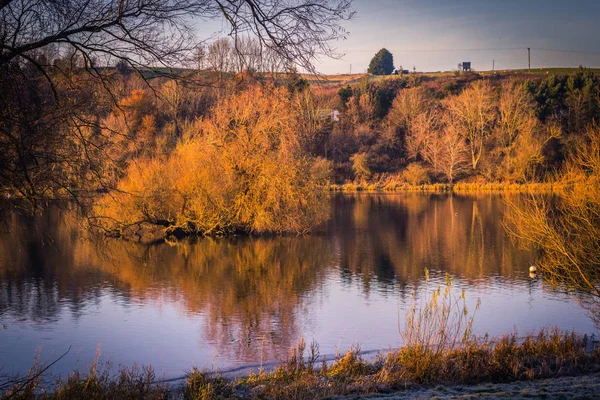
{"x": 234, "y": 303}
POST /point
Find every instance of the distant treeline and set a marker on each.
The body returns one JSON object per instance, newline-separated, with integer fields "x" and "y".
{"x": 494, "y": 128}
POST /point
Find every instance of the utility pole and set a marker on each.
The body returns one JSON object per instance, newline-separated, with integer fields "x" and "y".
{"x": 529, "y": 58}
{"x": 493, "y": 65}
{"x": 350, "y": 69}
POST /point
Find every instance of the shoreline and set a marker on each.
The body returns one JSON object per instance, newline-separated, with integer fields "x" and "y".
{"x": 490, "y": 187}
{"x": 506, "y": 366}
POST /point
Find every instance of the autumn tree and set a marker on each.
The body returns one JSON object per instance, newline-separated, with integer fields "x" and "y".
{"x": 527, "y": 154}
{"x": 360, "y": 166}
{"x": 413, "y": 117}
{"x": 199, "y": 56}
{"x": 312, "y": 127}
{"x": 248, "y": 54}
{"x": 172, "y": 98}
{"x": 567, "y": 230}
{"x": 520, "y": 137}
{"x": 516, "y": 108}
{"x": 241, "y": 169}
{"x": 423, "y": 140}
{"x": 407, "y": 106}
{"x": 473, "y": 113}
{"x": 452, "y": 153}
{"x": 360, "y": 108}
{"x": 416, "y": 141}
{"x": 219, "y": 55}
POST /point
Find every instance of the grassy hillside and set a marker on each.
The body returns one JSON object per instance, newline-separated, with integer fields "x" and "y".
{"x": 340, "y": 80}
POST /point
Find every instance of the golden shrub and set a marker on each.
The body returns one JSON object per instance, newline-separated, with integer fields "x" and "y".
{"x": 240, "y": 169}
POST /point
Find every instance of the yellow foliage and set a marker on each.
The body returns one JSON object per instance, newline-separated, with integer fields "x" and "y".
{"x": 360, "y": 165}
{"x": 361, "y": 109}
{"x": 567, "y": 229}
{"x": 241, "y": 169}
{"x": 472, "y": 112}
{"x": 139, "y": 100}
{"x": 407, "y": 106}
{"x": 415, "y": 174}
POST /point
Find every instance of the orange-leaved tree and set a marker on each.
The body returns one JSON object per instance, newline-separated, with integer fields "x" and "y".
{"x": 240, "y": 169}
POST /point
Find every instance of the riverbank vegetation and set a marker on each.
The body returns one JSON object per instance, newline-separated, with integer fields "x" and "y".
{"x": 501, "y": 129}
{"x": 265, "y": 149}
{"x": 567, "y": 229}
{"x": 243, "y": 168}
{"x": 439, "y": 348}
{"x": 235, "y": 140}
{"x": 226, "y": 149}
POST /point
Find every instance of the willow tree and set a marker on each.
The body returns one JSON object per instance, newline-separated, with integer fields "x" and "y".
{"x": 241, "y": 169}
{"x": 567, "y": 229}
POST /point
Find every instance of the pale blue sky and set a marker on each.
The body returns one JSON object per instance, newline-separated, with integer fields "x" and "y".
{"x": 431, "y": 25}
{"x": 408, "y": 27}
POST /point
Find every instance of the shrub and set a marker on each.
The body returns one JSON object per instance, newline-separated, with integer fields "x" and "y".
{"x": 349, "y": 365}
{"x": 241, "y": 169}
{"x": 200, "y": 386}
{"x": 360, "y": 166}
{"x": 415, "y": 174}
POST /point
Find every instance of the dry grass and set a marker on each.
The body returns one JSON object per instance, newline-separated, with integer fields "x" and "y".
{"x": 506, "y": 359}
{"x": 439, "y": 348}
{"x": 98, "y": 383}
{"x": 399, "y": 185}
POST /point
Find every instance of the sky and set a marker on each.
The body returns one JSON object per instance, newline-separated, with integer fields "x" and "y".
{"x": 435, "y": 35}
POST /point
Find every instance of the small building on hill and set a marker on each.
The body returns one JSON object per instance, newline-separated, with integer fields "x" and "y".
{"x": 464, "y": 66}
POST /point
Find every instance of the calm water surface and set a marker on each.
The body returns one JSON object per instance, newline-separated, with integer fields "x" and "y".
{"x": 229, "y": 303}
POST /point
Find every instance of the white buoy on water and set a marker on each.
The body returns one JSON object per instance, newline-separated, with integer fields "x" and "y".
{"x": 533, "y": 268}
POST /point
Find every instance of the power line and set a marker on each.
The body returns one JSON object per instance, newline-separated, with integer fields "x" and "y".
{"x": 451, "y": 50}
{"x": 567, "y": 51}
{"x": 485, "y": 49}
{"x": 443, "y": 50}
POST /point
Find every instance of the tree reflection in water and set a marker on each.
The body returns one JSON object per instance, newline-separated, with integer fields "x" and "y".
{"x": 254, "y": 291}
{"x": 249, "y": 288}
